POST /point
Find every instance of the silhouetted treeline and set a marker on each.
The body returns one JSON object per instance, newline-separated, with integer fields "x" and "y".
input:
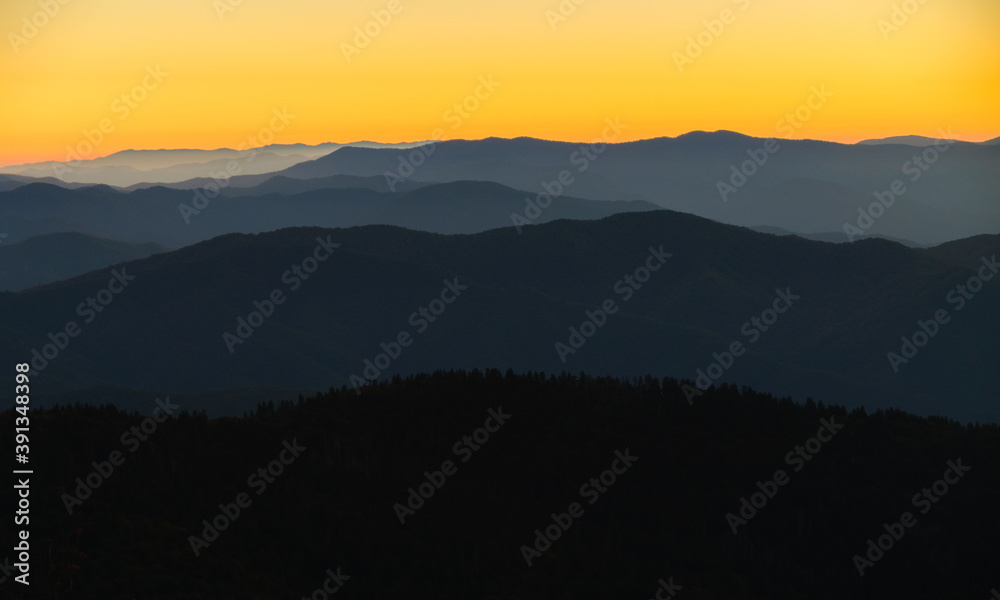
{"x": 334, "y": 505}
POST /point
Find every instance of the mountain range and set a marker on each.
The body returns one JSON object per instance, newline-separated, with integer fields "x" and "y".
{"x": 799, "y": 185}
{"x": 542, "y": 233}
{"x": 804, "y": 186}
{"x": 918, "y": 140}
{"x": 133, "y": 167}
{"x": 57, "y": 256}
{"x": 851, "y": 305}
{"x": 171, "y": 217}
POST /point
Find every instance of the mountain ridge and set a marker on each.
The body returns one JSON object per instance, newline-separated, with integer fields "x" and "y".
{"x": 524, "y": 293}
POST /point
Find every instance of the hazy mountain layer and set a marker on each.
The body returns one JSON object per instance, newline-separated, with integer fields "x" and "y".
{"x": 58, "y": 256}
{"x": 928, "y": 196}
{"x": 131, "y": 167}
{"x": 177, "y": 218}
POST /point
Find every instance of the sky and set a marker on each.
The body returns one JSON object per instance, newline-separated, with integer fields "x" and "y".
{"x": 100, "y": 76}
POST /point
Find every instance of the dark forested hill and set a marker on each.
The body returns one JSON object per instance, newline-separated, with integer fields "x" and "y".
{"x": 532, "y": 487}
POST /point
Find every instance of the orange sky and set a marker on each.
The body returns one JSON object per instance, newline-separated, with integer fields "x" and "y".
{"x": 226, "y": 65}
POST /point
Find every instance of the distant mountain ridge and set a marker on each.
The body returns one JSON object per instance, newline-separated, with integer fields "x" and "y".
{"x": 11, "y": 182}
{"x": 154, "y": 214}
{"x": 131, "y": 167}
{"x": 57, "y": 256}
{"x": 796, "y": 185}
{"x": 920, "y": 141}
{"x": 266, "y": 183}
{"x": 831, "y": 237}
{"x": 803, "y": 185}
{"x": 908, "y": 140}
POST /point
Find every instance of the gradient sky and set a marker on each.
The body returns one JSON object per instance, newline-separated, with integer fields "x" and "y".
{"x": 228, "y": 71}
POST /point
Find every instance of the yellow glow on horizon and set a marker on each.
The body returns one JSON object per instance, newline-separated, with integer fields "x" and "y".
{"x": 940, "y": 69}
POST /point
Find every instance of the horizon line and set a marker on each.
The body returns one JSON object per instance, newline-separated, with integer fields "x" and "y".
{"x": 496, "y": 137}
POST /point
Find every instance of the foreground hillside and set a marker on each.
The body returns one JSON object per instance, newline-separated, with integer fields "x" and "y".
{"x": 658, "y": 293}
{"x": 522, "y": 448}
